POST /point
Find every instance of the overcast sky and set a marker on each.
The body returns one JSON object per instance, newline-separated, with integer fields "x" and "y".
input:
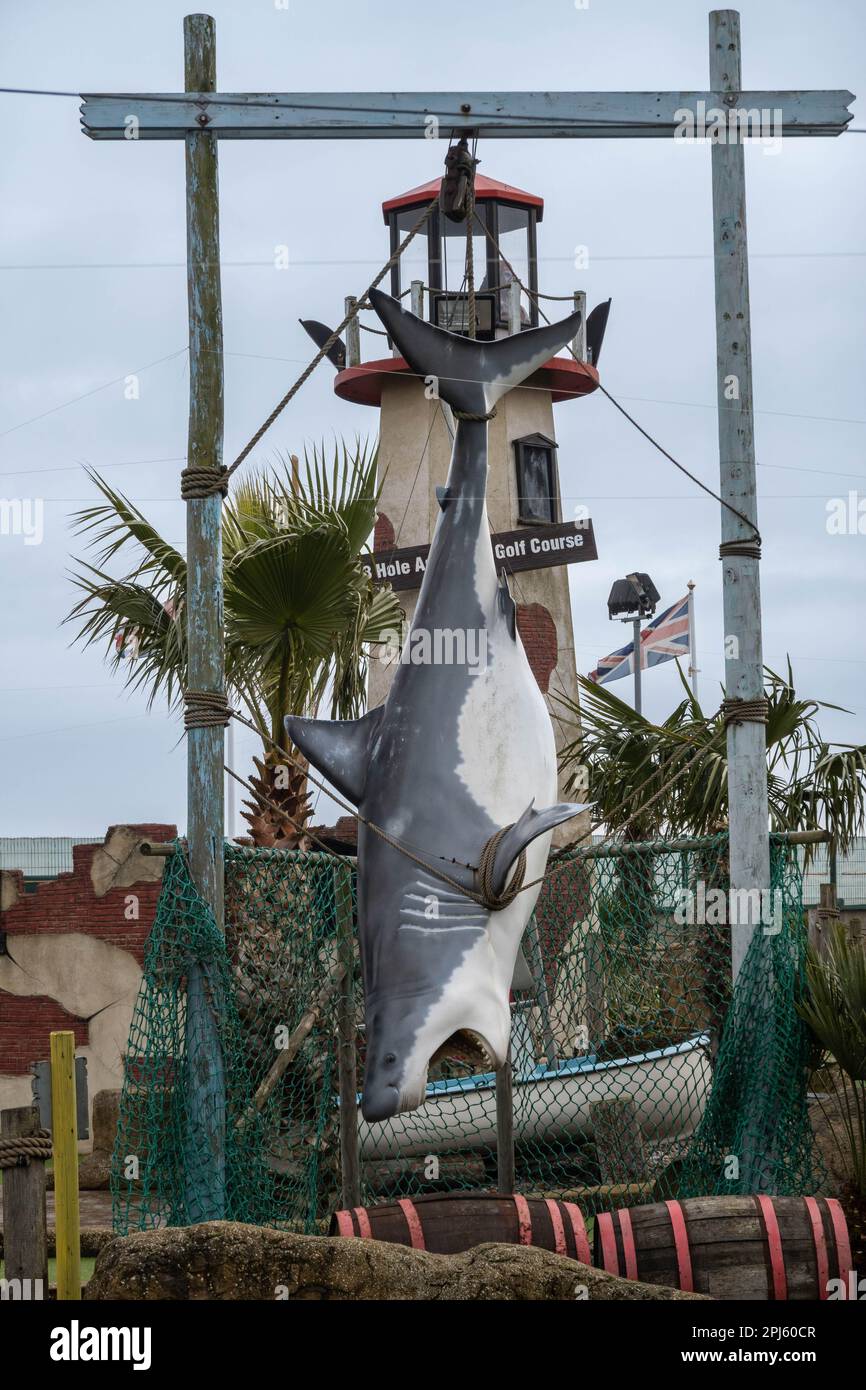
{"x": 93, "y": 290}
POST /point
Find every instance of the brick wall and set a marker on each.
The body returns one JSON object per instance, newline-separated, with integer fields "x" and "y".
{"x": 538, "y": 635}
{"x": 121, "y": 917}
{"x": 25, "y": 1023}
{"x": 68, "y": 904}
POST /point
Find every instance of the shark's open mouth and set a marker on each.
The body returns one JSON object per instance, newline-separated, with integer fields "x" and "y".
{"x": 466, "y": 1046}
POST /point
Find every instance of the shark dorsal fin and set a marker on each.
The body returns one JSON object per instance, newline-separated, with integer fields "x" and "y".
{"x": 338, "y": 748}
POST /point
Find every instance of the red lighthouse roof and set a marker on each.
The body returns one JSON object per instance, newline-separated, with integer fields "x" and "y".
{"x": 484, "y": 189}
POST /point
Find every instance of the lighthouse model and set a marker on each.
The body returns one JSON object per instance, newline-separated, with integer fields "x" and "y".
{"x": 534, "y": 536}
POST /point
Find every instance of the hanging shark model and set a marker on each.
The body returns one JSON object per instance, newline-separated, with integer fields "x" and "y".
{"x": 461, "y": 749}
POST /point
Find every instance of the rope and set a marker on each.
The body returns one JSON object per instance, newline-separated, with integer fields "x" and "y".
{"x": 200, "y": 481}
{"x": 622, "y": 410}
{"x": 424, "y": 863}
{"x": 18, "y": 1153}
{"x": 329, "y": 342}
{"x": 470, "y": 255}
{"x": 469, "y": 415}
{"x": 751, "y": 549}
{"x": 205, "y": 709}
{"x": 491, "y": 899}
{"x": 736, "y": 711}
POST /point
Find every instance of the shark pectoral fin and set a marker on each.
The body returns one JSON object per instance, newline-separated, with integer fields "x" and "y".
{"x": 531, "y": 824}
{"x": 338, "y": 748}
{"x": 522, "y": 977}
{"x": 443, "y": 497}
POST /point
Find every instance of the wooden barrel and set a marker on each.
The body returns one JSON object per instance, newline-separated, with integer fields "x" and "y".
{"x": 751, "y": 1248}
{"x": 445, "y": 1224}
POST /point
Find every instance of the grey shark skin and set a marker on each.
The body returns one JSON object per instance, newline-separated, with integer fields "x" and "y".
{"x": 456, "y": 752}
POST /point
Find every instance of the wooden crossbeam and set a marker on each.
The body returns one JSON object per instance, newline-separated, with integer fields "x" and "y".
{"x": 412, "y": 115}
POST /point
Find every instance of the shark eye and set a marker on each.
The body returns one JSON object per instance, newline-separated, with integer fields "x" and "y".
{"x": 389, "y": 1058}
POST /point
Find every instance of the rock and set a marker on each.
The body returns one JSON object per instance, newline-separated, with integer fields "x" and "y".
{"x": 228, "y": 1260}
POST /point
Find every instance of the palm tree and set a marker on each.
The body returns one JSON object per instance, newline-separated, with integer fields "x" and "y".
{"x": 300, "y": 610}
{"x": 812, "y": 784}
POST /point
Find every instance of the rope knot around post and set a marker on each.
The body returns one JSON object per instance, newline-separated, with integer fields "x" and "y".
{"x": 751, "y": 549}
{"x": 200, "y": 480}
{"x": 471, "y": 415}
{"x": 490, "y": 898}
{"x": 205, "y": 709}
{"x": 19, "y": 1152}
{"x": 738, "y": 711}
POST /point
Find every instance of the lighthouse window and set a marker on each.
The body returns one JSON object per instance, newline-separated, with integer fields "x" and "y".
{"x": 537, "y": 487}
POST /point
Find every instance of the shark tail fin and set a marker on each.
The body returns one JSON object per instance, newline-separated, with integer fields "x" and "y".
{"x": 468, "y": 374}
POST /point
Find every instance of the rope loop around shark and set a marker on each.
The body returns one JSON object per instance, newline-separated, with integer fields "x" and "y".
{"x": 457, "y": 755}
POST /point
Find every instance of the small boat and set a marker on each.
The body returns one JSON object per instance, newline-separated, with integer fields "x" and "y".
{"x": 668, "y": 1087}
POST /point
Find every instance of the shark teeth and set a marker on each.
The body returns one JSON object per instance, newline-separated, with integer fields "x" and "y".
{"x": 474, "y": 1039}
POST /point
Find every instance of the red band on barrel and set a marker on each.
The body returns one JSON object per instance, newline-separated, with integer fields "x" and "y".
{"x": 578, "y": 1230}
{"x": 524, "y": 1220}
{"x": 365, "y": 1230}
{"x": 681, "y": 1246}
{"x": 413, "y": 1221}
{"x": 843, "y": 1244}
{"x": 822, "y": 1261}
{"x": 628, "y": 1244}
{"x": 556, "y": 1223}
{"x": 774, "y": 1245}
{"x": 345, "y": 1226}
{"x": 604, "y": 1226}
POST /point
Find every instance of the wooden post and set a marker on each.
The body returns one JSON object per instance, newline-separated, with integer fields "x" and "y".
{"x": 64, "y": 1140}
{"x": 578, "y": 343}
{"x": 205, "y": 1161}
{"x": 417, "y": 298}
{"x": 542, "y": 995}
{"x": 353, "y": 333}
{"x": 505, "y": 1168}
{"x": 741, "y": 592}
{"x": 347, "y": 1066}
{"x": 25, "y": 1242}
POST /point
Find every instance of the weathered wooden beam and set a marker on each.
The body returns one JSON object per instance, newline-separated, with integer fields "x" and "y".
{"x": 205, "y": 1174}
{"x": 25, "y": 1240}
{"x": 408, "y": 115}
{"x": 748, "y": 815}
{"x": 505, "y": 1164}
{"x": 347, "y": 1065}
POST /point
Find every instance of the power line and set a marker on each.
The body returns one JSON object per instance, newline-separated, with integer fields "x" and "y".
{"x": 84, "y": 395}
{"x": 72, "y": 467}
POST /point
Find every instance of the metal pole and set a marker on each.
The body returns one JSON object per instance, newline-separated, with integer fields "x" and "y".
{"x": 205, "y": 1148}
{"x": 746, "y": 741}
{"x": 505, "y": 1169}
{"x": 693, "y": 652}
{"x": 636, "y": 642}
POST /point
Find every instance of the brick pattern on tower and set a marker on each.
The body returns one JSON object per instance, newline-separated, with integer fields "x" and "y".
{"x": 538, "y": 635}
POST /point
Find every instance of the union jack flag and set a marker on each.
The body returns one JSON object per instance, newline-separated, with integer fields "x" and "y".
{"x": 664, "y": 638}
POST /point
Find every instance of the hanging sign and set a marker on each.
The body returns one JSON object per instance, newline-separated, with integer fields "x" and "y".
{"x": 528, "y": 548}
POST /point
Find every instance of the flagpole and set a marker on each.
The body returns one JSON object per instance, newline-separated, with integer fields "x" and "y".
{"x": 636, "y": 642}
{"x": 693, "y": 655}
